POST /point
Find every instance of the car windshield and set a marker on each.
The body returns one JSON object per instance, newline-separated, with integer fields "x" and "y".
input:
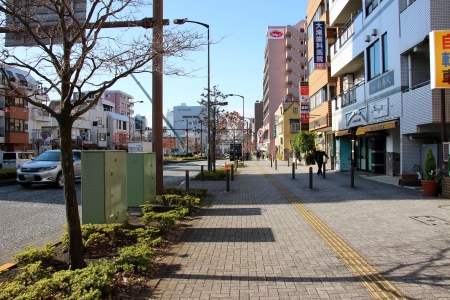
{"x": 48, "y": 156}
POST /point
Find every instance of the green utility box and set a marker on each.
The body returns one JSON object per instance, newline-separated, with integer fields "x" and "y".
{"x": 141, "y": 178}
{"x": 103, "y": 186}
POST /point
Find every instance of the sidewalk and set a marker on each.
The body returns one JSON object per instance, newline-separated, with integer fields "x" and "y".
{"x": 271, "y": 237}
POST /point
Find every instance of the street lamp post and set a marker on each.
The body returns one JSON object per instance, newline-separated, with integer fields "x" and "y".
{"x": 129, "y": 117}
{"x": 182, "y": 21}
{"x": 243, "y": 129}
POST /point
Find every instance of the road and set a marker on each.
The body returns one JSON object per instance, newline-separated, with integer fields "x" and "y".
{"x": 35, "y": 216}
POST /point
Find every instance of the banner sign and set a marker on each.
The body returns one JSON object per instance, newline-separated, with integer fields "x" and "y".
{"x": 319, "y": 47}
{"x": 440, "y": 59}
{"x": 276, "y": 33}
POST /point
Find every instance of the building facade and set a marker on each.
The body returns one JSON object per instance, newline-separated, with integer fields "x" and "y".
{"x": 385, "y": 115}
{"x": 288, "y": 126}
{"x": 321, "y": 86}
{"x": 285, "y": 67}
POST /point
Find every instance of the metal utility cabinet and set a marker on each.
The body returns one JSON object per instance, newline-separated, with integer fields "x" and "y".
{"x": 103, "y": 186}
{"x": 141, "y": 178}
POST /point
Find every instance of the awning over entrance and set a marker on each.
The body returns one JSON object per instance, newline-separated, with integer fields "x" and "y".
{"x": 342, "y": 132}
{"x": 377, "y": 127}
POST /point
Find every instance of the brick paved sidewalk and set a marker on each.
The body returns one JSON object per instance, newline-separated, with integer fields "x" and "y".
{"x": 251, "y": 243}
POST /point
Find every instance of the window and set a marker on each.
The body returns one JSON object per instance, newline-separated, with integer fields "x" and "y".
{"x": 385, "y": 52}
{"x": 14, "y": 125}
{"x": 14, "y": 101}
{"x": 119, "y": 124}
{"x": 124, "y": 125}
{"x": 311, "y": 66}
{"x": 371, "y": 5}
{"x": 295, "y": 110}
{"x": 373, "y": 60}
{"x": 99, "y": 121}
{"x": 102, "y": 136}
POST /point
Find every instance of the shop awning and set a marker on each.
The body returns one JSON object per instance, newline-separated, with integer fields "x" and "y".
{"x": 377, "y": 127}
{"x": 360, "y": 131}
{"x": 342, "y": 132}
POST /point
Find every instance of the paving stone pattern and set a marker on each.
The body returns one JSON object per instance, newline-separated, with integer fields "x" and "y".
{"x": 250, "y": 243}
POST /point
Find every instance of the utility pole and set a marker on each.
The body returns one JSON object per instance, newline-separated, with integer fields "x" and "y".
{"x": 157, "y": 92}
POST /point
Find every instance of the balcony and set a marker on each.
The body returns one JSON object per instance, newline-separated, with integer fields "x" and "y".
{"x": 294, "y": 67}
{"x": 341, "y": 9}
{"x": 295, "y": 44}
{"x": 350, "y": 96}
{"x": 352, "y": 26}
{"x": 295, "y": 56}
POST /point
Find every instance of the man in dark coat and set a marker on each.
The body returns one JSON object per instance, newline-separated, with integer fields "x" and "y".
{"x": 319, "y": 159}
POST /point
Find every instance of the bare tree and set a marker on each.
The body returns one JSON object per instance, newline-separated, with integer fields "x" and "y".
{"x": 216, "y": 124}
{"x": 78, "y": 56}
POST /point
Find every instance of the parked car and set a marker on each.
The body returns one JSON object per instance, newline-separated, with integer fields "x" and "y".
{"x": 15, "y": 159}
{"x": 46, "y": 169}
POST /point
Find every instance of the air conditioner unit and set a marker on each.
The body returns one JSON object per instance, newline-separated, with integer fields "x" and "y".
{"x": 347, "y": 81}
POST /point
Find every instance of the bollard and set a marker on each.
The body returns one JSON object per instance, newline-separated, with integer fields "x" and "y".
{"x": 324, "y": 170}
{"x": 352, "y": 177}
{"x": 293, "y": 170}
{"x": 228, "y": 180}
{"x": 310, "y": 178}
{"x": 271, "y": 162}
{"x": 201, "y": 173}
{"x": 275, "y": 164}
{"x": 232, "y": 174}
{"x": 187, "y": 180}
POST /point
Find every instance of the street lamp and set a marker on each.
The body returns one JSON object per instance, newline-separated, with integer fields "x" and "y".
{"x": 129, "y": 117}
{"x": 243, "y": 129}
{"x": 180, "y": 22}
{"x": 215, "y": 109}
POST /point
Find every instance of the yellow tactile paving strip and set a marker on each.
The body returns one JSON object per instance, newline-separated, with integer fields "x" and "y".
{"x": 374, "y": 282}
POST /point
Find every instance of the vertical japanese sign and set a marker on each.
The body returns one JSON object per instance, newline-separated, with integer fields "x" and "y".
{"x": 320, "y": 55}
{"x": 304, "y": 102}
{"x": 440, "y": 59}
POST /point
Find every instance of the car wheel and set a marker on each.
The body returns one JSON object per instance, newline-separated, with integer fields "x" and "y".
{"x": 25, "y": 184}
{"x": 59, "y": 180}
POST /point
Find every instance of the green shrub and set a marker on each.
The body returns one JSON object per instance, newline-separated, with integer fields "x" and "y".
{"x": 173, "y": 191}
{"x": 430, "y": 166}
{"x": 135, "y": 258}
{"x": 220, "y": 174}
{"x": 92, "y": 282}
{"x": 96, "y": 234}
{"x": 9, "y": 173}
{"x": 32, "y": 255}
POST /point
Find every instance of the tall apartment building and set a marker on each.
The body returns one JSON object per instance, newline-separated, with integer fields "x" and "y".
{"x": 285, "y": 67}
{"x": 321, "y": 85}
{"x": 386, "y": 115}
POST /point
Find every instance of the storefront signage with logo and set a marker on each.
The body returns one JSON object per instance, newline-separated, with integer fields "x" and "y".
{"x": 381, "y": 108}
{"x": 275, "y": 33}
{"x": 356, "y": 117}
{"x": 381, "y": 83}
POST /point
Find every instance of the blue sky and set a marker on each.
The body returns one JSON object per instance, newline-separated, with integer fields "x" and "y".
{"x": 236, "y": 62}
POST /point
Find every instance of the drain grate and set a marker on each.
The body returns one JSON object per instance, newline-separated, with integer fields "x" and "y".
{"x": 430, "y": 220}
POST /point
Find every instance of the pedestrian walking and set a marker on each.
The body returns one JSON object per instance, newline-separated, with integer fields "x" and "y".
{"x": 258, "y": 155}
{"x": 319, "y": 159}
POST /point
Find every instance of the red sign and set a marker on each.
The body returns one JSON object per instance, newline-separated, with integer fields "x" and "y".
{"x": 304, "y": 118}
{"x": 276, "y": 33}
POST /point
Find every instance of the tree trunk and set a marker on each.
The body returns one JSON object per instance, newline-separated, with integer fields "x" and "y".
{"x": 70, "y": 196}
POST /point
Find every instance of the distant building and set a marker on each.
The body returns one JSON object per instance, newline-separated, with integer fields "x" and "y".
{"x": 285, "y": 67}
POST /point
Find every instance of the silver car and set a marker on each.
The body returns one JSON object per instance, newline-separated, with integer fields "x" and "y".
{"x": 46, "y": 169}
